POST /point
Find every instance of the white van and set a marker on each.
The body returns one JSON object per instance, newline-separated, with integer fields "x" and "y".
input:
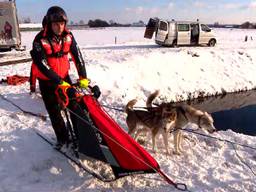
{"x": 9, "y": 28}
{"x": 173, "y": 33}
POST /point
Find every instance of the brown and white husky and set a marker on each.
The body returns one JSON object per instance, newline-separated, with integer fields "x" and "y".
{"x": 185, "y": 114}
{"x": 156, "y": 120}
{"x": 165, "y": 118}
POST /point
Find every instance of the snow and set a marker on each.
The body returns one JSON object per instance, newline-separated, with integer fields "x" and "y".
{"x": 30, "y": 25}
{"x": 133, "y": 68}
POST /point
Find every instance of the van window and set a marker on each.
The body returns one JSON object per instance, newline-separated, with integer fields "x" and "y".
{"x": 163, "y": 26}
{"x": 183, "y": 27}
{"x": 205, "y": 28}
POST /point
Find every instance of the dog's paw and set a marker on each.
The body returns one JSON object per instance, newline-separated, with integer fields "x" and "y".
{"x": 141, "y": 141}
{"x": 180, "y": 151}
{"x": 176, "y": 152}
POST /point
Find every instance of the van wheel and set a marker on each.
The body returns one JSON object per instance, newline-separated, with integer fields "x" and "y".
{"x": 212, "y": 43}
{"x": 174, "y": 43}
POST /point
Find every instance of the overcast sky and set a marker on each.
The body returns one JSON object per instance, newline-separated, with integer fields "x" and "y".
{"x": 127, "y": 11}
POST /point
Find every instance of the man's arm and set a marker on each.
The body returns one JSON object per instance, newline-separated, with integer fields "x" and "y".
{"x": 39, "y": 58}
{"x": 77, "y": 58}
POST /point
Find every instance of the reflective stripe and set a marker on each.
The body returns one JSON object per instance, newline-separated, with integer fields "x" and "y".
{"x": 44, "y": 62}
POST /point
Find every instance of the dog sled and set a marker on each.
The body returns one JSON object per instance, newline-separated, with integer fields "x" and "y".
{"x": 97, "y": 136}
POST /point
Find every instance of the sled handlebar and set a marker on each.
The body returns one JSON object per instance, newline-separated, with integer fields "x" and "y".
{"x": 92, "y": 90}
{"x": 76, "y": 85}
{"x": 63, "y": 96}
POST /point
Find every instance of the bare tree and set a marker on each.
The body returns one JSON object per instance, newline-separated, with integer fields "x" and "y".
{"x": 26, "y": 20}
{"x": 81, "y": 22}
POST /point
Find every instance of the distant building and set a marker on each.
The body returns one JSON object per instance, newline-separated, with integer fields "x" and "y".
{"x": 138, "y": 24}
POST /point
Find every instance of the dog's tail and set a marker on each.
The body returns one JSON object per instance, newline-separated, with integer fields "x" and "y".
{"x": 130, "y": 105}
{"x": 151, "y": 97}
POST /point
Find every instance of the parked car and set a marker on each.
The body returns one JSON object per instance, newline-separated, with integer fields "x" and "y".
{"x": 174, "y": 33}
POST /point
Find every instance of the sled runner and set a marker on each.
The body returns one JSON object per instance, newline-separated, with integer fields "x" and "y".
{"x": 98, "y": 136}
{"x": 74, "y": 159}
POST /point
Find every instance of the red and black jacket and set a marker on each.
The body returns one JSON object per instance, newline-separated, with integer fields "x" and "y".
{"x": 50, "y": 57}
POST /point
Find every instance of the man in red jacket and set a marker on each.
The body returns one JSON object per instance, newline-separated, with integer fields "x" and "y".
{"x": 50, "y": 66}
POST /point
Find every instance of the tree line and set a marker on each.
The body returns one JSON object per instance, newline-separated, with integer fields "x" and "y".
{"x": 245, "y": 25}
{"x": 94, "y": 23}
{"x": 248, "y": 25}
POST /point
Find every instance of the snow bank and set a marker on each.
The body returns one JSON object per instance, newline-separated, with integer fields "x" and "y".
{"x": 132, "y": 69}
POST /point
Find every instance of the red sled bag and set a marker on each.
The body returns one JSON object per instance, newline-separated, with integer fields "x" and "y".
{"x": 15, "y": 80}
{"x": 127, "y": 153}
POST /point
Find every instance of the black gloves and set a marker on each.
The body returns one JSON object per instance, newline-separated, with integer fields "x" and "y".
{"x": 96, "y": 91}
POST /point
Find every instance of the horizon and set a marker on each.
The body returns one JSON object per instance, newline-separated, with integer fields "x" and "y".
{"x": 129, "y": 11}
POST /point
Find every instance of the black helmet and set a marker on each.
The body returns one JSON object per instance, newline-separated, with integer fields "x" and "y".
{"x": 44, "y": 22}
{"x": 56, "y": 14}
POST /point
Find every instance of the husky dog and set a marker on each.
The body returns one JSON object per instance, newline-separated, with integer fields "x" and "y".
{"x": 183, "y": 115}
{"x": 187, "y": 114}
{"x": 156, "y": 120}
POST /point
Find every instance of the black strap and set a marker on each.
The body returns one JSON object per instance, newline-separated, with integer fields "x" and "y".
{"x": 183, "y": 112}
{"x": 59, "y": 53}
{"x": 43, "y": 117}
{"x": 199, "y": 120}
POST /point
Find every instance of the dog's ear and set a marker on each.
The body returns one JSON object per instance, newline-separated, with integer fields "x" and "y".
{"x": 208, "y": 116}
{"x": 168, "y": 110}
{"x": 205, "y": 113}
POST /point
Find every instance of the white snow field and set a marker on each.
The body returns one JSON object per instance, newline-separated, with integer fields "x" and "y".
{"x": 133, "y": 68}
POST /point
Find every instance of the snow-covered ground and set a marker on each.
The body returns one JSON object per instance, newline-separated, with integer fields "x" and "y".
{"x": 30, "y": 25}
{"x": 133, "y": 68}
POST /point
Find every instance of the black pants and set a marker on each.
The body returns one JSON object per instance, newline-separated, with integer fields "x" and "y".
{"x": 47, "y": 89}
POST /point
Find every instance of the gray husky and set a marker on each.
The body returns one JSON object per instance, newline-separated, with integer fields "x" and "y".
{"x": 156, "y": 120}
{"x": 182, "y": 115}
{"x": 187, "y": 114}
